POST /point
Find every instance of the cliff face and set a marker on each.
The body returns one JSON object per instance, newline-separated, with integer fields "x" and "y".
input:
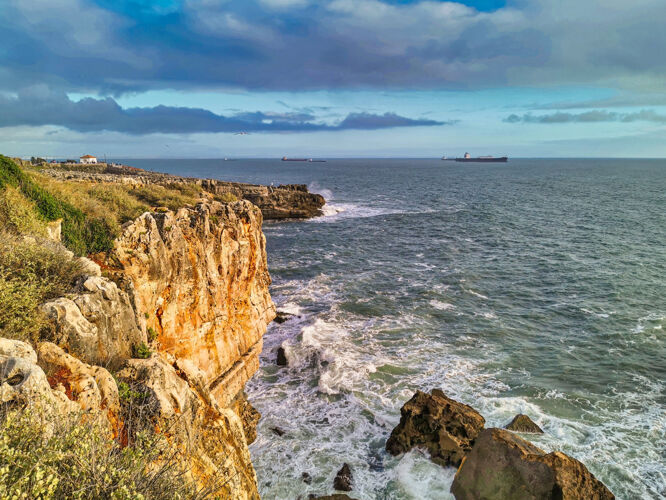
{"x": 187, "y": 292}
{"x": 200, "y": 282}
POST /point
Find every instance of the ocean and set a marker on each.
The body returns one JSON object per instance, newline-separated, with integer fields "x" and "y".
{"x": 534, "y": 287}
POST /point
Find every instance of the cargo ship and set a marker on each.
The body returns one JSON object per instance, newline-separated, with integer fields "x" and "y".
{"x": 479, "y": 159}
{"x": 284, "y": 158}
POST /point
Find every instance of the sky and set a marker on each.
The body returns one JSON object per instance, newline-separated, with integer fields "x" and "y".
{"x": 332, "y": 78}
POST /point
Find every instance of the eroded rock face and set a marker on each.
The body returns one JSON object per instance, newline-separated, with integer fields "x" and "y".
{"x": 445, "y": 427}
{"x": 211, "y": 438}
{"x": 24, "y": 383}
{"x": 98, "y": 325}
{"x": 523, "y": 423}
{"x": 200, "y": 278}
{"x": 248, "y": 414}
{"x": 502, "y": 465}
{"x": 92, "y": 387}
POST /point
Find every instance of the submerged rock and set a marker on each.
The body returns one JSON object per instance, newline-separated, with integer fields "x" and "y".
{"x": 343, "y": 480}
{"x": 523, "y": 423}
{"x": 307, "y": 478}
{"x": 445, "y": 427}
{"x": 281, "y": 357}
{"x": 502, "y": 465}
{"x": 335, "y": 496}
{"x": 277, "y": 431}
{"x": 282, "y": 317}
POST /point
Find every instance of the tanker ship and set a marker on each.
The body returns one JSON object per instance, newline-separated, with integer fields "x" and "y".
{"x": 479, "y": 159}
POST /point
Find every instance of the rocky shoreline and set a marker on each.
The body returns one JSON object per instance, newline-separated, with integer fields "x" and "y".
{"x": 290, "y": 201}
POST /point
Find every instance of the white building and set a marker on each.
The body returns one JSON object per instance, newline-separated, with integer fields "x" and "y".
{"x": 88, "y": 159}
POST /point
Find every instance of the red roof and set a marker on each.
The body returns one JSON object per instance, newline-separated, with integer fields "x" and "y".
{"x": 88, "y": 156}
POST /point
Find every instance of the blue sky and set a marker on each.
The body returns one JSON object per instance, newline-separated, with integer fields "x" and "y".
{"x": 182, "y": 78}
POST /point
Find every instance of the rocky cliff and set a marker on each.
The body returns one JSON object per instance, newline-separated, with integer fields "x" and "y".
{"x": 162, "y": 334}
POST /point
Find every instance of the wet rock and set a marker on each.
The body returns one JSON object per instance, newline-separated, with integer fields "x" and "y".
{"x": 281, "y": 357}
{"x": 502, "y": 465}
{"x": 335, "y": 496}
{"x": 343, "y": 480}
{"x": 307, "y": 478}
{"x": 445, "y": 427}
{"x": 523, "y": 423}
{"x": 281, "y": 317}
{"x": 278, "y": 431}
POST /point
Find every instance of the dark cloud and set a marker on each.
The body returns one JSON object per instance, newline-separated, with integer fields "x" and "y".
{"x": 39, "y": 106}
{"x": 111, "y": 47}
{"x": 589, "y": 117}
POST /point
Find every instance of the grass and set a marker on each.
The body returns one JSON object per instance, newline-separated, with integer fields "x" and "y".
{"x": 78, "y": 460}
{"x": 31, "y": 272}
{"x": 80, "y": 233}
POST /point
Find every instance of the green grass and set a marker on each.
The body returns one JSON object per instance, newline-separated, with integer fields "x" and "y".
{"x": 80, "y": 233}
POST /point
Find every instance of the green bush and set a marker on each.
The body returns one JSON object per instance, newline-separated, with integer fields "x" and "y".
{"x": 152, "y": 334}
{"x": 18, "y": 214}
{"x": 76, "y": 459}
{"x": 31, "y": 272}
{"x": 141, "y": 351}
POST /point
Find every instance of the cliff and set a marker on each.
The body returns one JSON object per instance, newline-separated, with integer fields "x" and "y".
{"x": 160, "y": 334}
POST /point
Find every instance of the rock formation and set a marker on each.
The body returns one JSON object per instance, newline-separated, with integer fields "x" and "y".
{"x": 523, "y": 423}
{"x": 446, "y": 428}
{"x": 187, "y": 291}
{"x": 291, "y": 201}
{"x": 200, "y": 280}
{"x": 502, "y": 465}
{"x": 343, "y": 479}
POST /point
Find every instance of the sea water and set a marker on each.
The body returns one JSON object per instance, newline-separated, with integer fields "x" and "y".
{"x": 536, "y": 287}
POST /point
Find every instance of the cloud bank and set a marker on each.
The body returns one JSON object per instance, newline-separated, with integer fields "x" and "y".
{"x": 40, "y": 106}
{"x": 589, "y": 117}
{"x": 115, "y": 46}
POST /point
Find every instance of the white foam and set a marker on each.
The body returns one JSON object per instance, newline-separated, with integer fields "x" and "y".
{"x": 441, "y": 306}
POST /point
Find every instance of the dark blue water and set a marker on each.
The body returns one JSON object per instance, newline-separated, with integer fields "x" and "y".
{"x": 534, "y": 287}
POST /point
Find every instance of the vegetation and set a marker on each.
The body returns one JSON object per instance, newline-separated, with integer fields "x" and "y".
{"x": 141, "y": 351}
{"x": 80, "y": 233}
{"x": 76, "y": 459}
{"x": 31, "y": 272}
{"x": 152, "y": 334}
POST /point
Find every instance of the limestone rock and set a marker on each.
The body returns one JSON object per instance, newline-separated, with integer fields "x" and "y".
{"x": 98, "y": 325}
{"x": 523, "y": 423}
{"x": 23, "y": 382}
{"x": 200, "y": 276}
{"x": 343, "y": 479}
{"x": 445, "y": 427}
{"x": 502, "y": 465}
{"x": 211, "y": 438}
{"x": 248, "y": 414}
{"x": 92, "y": 387}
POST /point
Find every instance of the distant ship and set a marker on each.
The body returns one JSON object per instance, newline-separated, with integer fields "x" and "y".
{"x": 480, "y": 159}
{"x": 284, "y": 158}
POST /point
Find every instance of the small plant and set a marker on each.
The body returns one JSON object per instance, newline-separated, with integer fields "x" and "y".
{"x": 152, "y": 334}
{"x": 215, "y": 219}
{"x": 141, "y": 351}
{"x": 146, "y": 315}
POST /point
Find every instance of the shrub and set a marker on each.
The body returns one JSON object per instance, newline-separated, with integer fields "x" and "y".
{"x": 141, "y": 351}
{"x": 226, "y": 197}
{"x": 152, "y": 334}
{"x": 31, "y": 272}
{"x": 78, "y": 460}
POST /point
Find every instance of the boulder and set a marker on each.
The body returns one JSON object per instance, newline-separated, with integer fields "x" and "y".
{"x": 281, "y": 359}
{"x": 443, "y": 426}
{"x": 335, "y": 496}
{"x": 502, "y": 465}
{"x": 343, "y": 479}
{"x": 282, "y": 317}
{"x": 307, "y": 478}
{"x": 523, "y": 423}
{"x": 24, "y": 383}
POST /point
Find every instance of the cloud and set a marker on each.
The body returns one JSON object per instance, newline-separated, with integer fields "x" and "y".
{"x": 114, "y": 47}
{"x": 38, "y": 106}
{"x": 589, "y": 117}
